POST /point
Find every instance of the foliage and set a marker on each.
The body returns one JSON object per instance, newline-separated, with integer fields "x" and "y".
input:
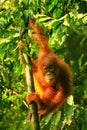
{"x": 65, "y": 23}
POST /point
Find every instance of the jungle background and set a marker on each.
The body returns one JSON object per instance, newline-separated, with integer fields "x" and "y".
{"x": 65, "y": 23}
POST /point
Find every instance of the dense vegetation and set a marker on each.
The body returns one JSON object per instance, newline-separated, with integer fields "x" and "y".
{"x": 65, "y": 23}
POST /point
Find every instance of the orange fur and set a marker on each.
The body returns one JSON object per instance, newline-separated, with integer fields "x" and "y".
{"x": 48, "y": 96}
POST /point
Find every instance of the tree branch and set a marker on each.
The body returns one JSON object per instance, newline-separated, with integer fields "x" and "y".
{"x": 30, "y": 85}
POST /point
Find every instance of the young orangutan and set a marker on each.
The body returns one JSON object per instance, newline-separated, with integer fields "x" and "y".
{"x": 52, "y": 76}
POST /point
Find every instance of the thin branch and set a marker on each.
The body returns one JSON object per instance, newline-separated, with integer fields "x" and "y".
{"x": 29, "y": 76}
{"x": 30, "y": 85}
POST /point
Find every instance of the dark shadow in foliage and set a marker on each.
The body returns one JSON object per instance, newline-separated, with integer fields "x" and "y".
{"x": 83, "y": 7}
